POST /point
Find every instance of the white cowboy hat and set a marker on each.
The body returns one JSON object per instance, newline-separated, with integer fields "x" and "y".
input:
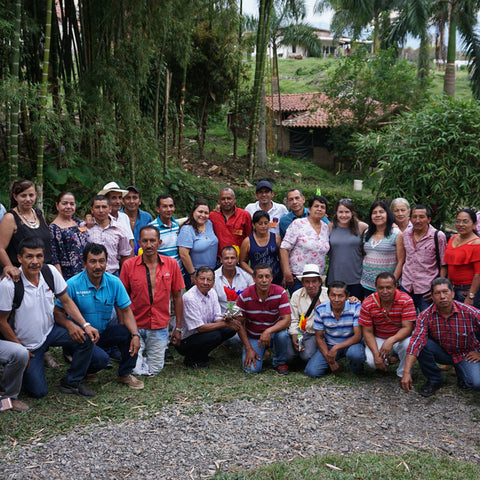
{"x": 112, "y": 187}
{"x": 310, "y": 270}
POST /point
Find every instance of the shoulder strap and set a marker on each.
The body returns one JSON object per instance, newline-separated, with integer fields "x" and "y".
{"x": 18, "y": 293}
{"x": 48, "y": 276}
{"x": 437, "y": 250}
{"x": 385, "y": 314}
{"x": 314, "y": 302}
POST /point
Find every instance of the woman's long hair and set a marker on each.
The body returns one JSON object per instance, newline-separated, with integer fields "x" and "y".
{"x": 372, "y": 227}
{"x": 353, "y": 224}
{"x": 191, "y": 221}
{"x": 18, "y": 187}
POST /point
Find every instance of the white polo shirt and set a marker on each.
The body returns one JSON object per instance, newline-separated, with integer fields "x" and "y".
{"x": 34, "y": 317}
{"x": 277, "y": 211}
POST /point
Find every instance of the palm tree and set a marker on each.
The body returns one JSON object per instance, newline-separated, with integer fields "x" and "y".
{"x": 355, "y": 15}
{"x": 463, "y": 17}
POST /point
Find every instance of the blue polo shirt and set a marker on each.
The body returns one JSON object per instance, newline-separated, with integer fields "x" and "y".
{"x": 287, "y": 219}
{"x": 96, "y": 305}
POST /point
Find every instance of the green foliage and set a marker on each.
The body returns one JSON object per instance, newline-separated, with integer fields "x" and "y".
{"x": 411, "y": 465}
{"x": 430, "y": 156}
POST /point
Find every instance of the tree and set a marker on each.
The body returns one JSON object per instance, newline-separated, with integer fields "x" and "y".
{"x": 429, "y": 157}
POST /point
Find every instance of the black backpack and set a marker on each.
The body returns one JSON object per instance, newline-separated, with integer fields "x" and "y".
{"x": 20, "y": 291}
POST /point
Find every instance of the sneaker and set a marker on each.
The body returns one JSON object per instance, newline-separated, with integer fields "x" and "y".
{"x": 282, "y": 369}
{"x": 131, "y": 381}
{"x": 80, "y": 390}
{"x": 19, "y": 406}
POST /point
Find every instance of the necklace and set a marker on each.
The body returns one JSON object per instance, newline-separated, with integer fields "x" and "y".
{"x": 30, "y": 223}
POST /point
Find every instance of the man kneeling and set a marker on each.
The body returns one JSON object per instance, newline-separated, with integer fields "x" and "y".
{"x": 266, "y": 312}
{"x": 338, "y": 334}
{"x": 204, "y": 328}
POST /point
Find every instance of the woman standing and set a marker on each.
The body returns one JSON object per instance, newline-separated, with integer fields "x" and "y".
{"x": 197, "y": 242}
{"x": 261, "y": 246}
{"x": 22, "y": 221}
{"x": 346, "y": 252}
{"x": 462, "y": 257}
{"x": 401, "y": 212}
{"x": 306, "y": 241}
{"x": 383, "y": 247}
{"x": 68, "y": 237}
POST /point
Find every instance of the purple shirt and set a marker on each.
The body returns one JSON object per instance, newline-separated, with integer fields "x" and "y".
{"x": 115, "y": 241}
{"x": 199, "y": 309}
{"x": 420, "y": 266}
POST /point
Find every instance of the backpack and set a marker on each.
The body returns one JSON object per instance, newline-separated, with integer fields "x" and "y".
{"x": 19, "y": 291}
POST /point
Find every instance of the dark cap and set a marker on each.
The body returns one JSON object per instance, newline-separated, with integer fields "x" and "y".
{"x": 131, "y": 188}
{"x": 262, "y": 184}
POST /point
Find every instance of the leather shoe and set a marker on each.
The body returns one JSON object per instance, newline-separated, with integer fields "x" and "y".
{"x": 429, "y": 389}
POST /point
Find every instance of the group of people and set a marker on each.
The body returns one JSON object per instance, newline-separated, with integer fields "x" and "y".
{"x": 112, "y": 286}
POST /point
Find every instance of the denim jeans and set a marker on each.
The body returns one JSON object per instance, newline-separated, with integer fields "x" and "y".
{"x": 400, "y": 348}
{"x": 461, "y": 292}
{"x": 297, "y": 285}
{"x": 420, "y": 303}
{"x": 317, "y": 366}
{"x": 432, "y": 353}
{"x": 279, "y": 342}
{"x": 14, "y": 359}
{"x": 34, "y": 377}
{"x": 196, "y": 347}
{"x": 153, "y": 344}
{"x": 113, "y": 335}
{"x": 310, "y": 344}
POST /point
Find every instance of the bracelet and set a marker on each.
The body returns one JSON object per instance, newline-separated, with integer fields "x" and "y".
{"x": 85, "y": 325}
{"x": 136, "y": 335}
{"x": 178, "y": 329}
{"x": 193, "y": 273}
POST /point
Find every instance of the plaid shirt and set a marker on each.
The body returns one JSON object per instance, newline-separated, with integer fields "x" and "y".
{"x": 455, "y": 334}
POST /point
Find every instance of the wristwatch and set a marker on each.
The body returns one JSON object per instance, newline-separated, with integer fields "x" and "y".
{"x": 471, "y": 295}
{"x": 85, "y": 325}
{"x": 136, "y": 335}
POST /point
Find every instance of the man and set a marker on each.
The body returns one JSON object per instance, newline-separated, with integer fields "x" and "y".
{"x": 14, "y": 360}
{"x": 151, "y": 280}
{"x": 231, "y": 224}
{"x": 448, "y": 333}
{"x": 338, "y": 334}
{"x": 296, "y": 204}
{"x": 137, "y": 218}
{"x": 303, "y": 303}
{"x": 167, "y": 226}
{"x": 264, "y": 195}
{"x": 107, "y": 233}
{"x": 424, "y": 250}
{"x": 266, "y": 315}
{"x": 230, "y": 279}
{"x": 34, "y": 326}
{"x": 204, "y": 328}
{"x": 96, "y": 293}
{"x": 115, "y": 196}
{"x": 387, "y": 318}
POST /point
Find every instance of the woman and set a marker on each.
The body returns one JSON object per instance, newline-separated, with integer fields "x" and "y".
{"x": 401, "y": 212}
{"x": 196, "y": 242}
{"x": 346, "y": 252}
{"x": 261, "y": 247}
{"x": 68, "y": 237}
{"x": 462, "y": 257}
{"x": 306, "y": 241}
{"x": 22, "y": 221}
{"x": 383, "y": 247}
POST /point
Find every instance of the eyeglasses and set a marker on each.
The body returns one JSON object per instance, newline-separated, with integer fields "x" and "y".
{"x": 462, "y": 222}
{"x": 345, "y": 200}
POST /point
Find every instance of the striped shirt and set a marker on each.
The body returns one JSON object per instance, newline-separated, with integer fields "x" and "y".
{"x": 402, "y": 310}
{"x": 455, "y": 334}
{"x": 168, "y": 236}
{"x": 336, "y": 331}
{"x": 379, "y": 257}
{"x": 260, "y": 315}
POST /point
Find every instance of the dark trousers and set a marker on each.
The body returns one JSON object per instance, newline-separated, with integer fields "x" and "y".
{"x": 196, "y": 347}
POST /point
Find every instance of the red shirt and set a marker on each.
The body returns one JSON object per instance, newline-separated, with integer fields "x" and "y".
{"x": 151, "y": 313}
{"x": 463, "y": 262}
{"x": 455, "y": 334}
{"x": 260, "y": 315}
{"x": 402, "y": 310}
{"x": 232, "y": 231}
